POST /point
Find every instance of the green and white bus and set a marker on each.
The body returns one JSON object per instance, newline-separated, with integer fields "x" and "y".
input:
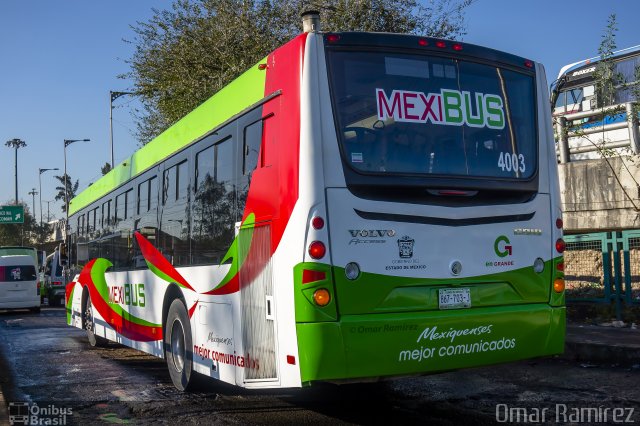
{"x": 355, "y": 206}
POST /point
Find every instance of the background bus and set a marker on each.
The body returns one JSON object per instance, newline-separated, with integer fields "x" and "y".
{"x": 355, "y": 206}
{"x": 573, "y": 96}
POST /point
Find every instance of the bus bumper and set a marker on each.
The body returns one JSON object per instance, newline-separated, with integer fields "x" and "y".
{"x": 377, "y": 345}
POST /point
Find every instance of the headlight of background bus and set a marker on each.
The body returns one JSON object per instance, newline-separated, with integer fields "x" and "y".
{"x": 352, "y": 271}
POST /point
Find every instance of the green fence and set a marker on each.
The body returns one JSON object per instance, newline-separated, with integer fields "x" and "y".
{"x": 603, "y": 267}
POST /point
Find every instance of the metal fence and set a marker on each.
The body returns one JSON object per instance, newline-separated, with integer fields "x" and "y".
{"x": 603, "y": 267}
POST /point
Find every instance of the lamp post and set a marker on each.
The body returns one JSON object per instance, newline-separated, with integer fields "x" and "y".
{"x": 41, "y": 171}
{"x": 113, "y": 96}
{"x": 16, "y": 143}
{"x": 33, "y": 194}
{"x": 67, "y": 142}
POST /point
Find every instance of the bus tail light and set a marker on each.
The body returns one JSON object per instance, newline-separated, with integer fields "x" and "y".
{"x": 528, "y": 63}
{"x": 322, "y": 297}
{"x": 309, "y": 276}
{"x": 457, "y": 47}
{"x": 317, "y": 250}
{"x": 441, "y": 44}
{"x": 560, "y": 266}
{"x": 558, "y": 285}
{"x": 559, "y": 223}
{"x": 317, "y": 222}
{"x": 560, "y": 245}
{"x": 333, "y": 38}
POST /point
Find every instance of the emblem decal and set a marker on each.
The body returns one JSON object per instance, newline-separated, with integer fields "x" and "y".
{"x": 405, "y": 246}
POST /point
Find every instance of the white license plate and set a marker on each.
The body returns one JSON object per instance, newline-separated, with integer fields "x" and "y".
{"x": 454, "y": 298}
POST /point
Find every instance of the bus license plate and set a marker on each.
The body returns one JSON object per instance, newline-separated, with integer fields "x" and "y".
{"x": 454, "y": 298}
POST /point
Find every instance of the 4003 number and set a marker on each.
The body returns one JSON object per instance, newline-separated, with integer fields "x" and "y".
{"x": 511, "y": 162}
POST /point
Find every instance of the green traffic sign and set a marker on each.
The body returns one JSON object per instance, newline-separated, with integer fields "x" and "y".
{"x": 11, "y": 214}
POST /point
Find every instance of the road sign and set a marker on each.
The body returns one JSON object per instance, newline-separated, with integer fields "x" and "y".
{"x": 11, "y": 214}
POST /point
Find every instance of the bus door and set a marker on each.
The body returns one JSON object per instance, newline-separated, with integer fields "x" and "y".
{"x": 256, "y": 303}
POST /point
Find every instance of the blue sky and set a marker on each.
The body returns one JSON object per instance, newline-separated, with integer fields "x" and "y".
{"x": 60, "y": 59}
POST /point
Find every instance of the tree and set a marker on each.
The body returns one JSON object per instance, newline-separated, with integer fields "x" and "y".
{"x": 72, "y": 188}
{"x": 105, "y": 169}
{"x": 185, "y": 55}
{"x": 605, "y": 75}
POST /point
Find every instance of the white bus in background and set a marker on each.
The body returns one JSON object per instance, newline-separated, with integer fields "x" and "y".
{"x": 574, "y": 97}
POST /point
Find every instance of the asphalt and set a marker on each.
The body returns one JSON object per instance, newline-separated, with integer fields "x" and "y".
{"x": 591, "y": 345}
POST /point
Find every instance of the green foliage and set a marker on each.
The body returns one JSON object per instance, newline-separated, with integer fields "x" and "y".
{"x": 605, "y": 75}
{"x": 184, "y": 55}
{"x": 105, "y": 169}
{"x": 72, "y": 188}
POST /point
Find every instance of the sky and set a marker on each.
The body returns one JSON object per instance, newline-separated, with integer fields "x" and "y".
{"x": 60, "y": 58}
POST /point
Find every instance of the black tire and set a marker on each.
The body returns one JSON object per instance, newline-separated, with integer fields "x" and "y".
{"x": 35, "y": 310}
{"x": 87, "y": 320}
{"x": 53, "y": 300}
{"x": 177, "y": 346}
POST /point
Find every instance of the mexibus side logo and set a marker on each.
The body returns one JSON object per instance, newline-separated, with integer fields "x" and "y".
{"x": 449, "y": 107}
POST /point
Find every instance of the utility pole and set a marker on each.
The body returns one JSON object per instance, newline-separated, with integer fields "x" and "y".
{"x": 112, "y": 97}
{"x": 33, "y": 194}
{"x": 16, "y": 144}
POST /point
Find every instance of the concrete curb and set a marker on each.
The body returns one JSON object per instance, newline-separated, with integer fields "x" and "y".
{"x": 603, "y": 345}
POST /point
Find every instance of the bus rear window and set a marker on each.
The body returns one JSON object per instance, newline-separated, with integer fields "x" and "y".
{"x": 423, "y": 115}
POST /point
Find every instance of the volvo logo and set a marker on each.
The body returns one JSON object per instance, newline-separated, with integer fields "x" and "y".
{"x": 456, "y": 268}
{"x": 372, "y": 233}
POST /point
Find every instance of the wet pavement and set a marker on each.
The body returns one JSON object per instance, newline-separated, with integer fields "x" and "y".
{"x": 46, "y": 363}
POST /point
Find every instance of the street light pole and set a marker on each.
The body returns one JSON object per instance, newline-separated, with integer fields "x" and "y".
{"x": 41, "y": 171}
{"x": 112, "y": 97}
{"x": 33, "y": 194}
{"x": 67, "y": 142}
{"x": 16, "y": 143}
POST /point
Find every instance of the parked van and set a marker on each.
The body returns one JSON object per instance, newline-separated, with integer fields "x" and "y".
{"x": 19, "y": 283}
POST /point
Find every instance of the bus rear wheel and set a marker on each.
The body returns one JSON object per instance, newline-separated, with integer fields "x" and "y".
{"x": 177, "y": 344}
{"x": 89, "y": 325}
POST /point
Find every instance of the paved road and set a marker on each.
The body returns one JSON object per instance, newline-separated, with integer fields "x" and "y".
{"x": 44, "y": 362}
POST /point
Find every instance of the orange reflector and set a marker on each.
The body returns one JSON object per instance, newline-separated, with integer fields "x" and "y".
{"x": 322, "y": 297}
{"x": 558, "y": 285}
{"x": 309, "y": 276}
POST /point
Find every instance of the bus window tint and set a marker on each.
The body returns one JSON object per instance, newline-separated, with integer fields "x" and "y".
{"x": 213, "y": 207}
{"x": 153, "y": 193}
{"x": 415, "y": 114}
{"x": 169, "y": 186}
{"x": 174, "y": 228}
